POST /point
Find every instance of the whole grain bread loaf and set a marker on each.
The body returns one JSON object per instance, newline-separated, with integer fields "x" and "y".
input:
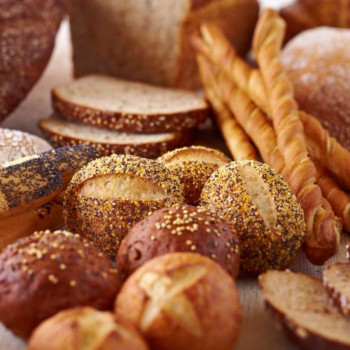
{"x": 149, "y": 40}
{"x": 27, "y": 36}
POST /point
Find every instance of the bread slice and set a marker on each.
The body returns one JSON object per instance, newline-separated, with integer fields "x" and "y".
{"x": 336, "y": 279}
{"x": 149, "y": 40}
{"x": 302, "y": 306}
{"x": 127, "y": 106}
{"x": 64, "y": 132}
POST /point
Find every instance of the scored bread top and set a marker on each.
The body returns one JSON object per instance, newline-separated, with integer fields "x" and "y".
{"x": 131, "y": 176}
{"x": 16, "y": 144}
{"x": 129, "y": 106}
{"x": 303, "y": 306}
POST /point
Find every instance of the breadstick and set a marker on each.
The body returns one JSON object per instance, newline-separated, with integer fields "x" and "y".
{"x": 338, "y": 199}
{"x": 237, "y": 141}
{"x": 321, "y": 240}
{"x": 325, "y": 149}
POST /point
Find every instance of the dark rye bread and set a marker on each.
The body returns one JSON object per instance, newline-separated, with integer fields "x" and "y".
{"x": 27, "y": 36}
{"x": 149, "y": 40}
{"x": 122, "y": 105}
{"x": 52, "y": 271}
{"x": 336, "y": 279}
{"x": 62, "y": 132}
{"x": 301, "y": 304}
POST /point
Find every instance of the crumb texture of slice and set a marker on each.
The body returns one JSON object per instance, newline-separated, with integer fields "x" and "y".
{"x": 129, "y": 106}
{"x": 336, "y": 279}
{"x": 63, "y": 132}
{"x": 303, "y": 307}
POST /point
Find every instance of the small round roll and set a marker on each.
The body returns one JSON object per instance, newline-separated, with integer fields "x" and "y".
{"x": 262, "y": 210}
{"x": 181, "y": 228}
{"x": 48, "y": 272}
{"x": 182, "y": 301}
{"x": 84, "y": 328}
{"x": 193, "y": 165}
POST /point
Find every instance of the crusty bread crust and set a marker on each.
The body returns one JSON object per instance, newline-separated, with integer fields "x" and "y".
{"x": 147, "y": 150}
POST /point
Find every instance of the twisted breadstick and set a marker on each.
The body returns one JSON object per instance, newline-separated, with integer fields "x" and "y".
{"x": 326, "y": 150}
{"x": 338, "y": 199}
{"x": 252, "y": 120}
{"x": 322, "y": 236}
{"x": 237, "y": 141}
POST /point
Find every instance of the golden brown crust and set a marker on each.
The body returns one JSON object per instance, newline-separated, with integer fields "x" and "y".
{"x": 143, "y": 123}
{"x": 264, "y": 244}
{"x": 21, "y": 62}
{"x": 181, "y": 228}
{"x": 84, "y": 328}
{"x": 147, "y": 150}
{"x": 48, "y": 272}
{"x": 182, "y": 301}
{"x": 106, "y": 220}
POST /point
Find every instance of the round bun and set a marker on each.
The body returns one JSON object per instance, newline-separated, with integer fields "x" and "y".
{"x": 182, "y": 228}
{"x": 27, "y": 38}
{"x": 182, "y": 301}
{"x": 193, "y": 165}
{"x": 317, "y": 62}
{"x": 263, "y": 211}
{"x": 111, "y": 194}
{"x": 15, "y": 144}
{"x": 48, "y": 272}
{"x": 84, "y": 328}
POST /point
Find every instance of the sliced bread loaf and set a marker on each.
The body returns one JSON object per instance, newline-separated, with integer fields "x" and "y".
{"x": 336, "y": 279}
{"x": 302, "y": 305}
{"x": 127, "y": 106}
{"x": 149, "y": 40}
{"x": 63, "y": 133}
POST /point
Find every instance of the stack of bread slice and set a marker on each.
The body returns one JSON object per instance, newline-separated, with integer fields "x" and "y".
{"x": 314, "y": 313}
{"x": 118, "y": 116}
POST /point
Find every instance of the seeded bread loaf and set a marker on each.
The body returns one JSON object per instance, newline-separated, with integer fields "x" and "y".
{"x": 149, "y": 40}
{"x": 181, "y": 228}
{"x": 48, "y": 272}
{"x": 111, "y": 194}
{"x": 84, "y": 328}
{"x": 27, "y": 36}
{"x": 301, "y": 304}
{"x": 182, "y": 301}
{"x": 62, "y": 132}
{"x": 262, "y": 210}
{"x": 336, "y": 281}
{"x": 193, "y": 165}
{"x": 122, "y": 105}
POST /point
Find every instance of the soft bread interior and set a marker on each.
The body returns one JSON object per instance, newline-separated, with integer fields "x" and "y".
{"x": 260, "y": 194}
{"x": 303, "y": 300}
{"x": 115, "y": 95}
{"x": 67, "y": 128}
{"x": 338, "y": 276}
{"x": 124, "y": 186}
{"x": 195, "y": 155}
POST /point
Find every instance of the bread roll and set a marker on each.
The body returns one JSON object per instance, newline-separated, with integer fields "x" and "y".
{"x": 181, "y": 228}
{"x": 48, "y": 272}
{"x": 262, "y": 210}
{"x": 111, "y": 194}
{"x": 182, "y": 301}
{"x": 317, "y": 62}
{"x": 193, "y": 165}
{"x": 84, "y": 328}
{"x": 27, "y": 37}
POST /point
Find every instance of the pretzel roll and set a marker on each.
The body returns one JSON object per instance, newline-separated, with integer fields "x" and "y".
{"x": 48, "y": 272}
{"x": 84, "y": 328}
{"x": 111, "y": 194}
{"x": 193, "y": 165}
{"x": 181, "y": 228}
{"x": 263, "y": 211}
{"x": 182, "y": 301}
